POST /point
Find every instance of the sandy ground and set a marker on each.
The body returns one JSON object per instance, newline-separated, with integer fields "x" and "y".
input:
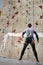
{"x": 6, "y": 61}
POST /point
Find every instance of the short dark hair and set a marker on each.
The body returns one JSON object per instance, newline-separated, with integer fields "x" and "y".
{"x": 29, "y": 25}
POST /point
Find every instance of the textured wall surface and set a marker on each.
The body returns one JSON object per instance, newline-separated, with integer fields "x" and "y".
{"x": 14, "y": 17}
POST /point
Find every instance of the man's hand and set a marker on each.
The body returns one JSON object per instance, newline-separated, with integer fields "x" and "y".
{"x": 22, "y": 36}
{"x": 38, "y": 41}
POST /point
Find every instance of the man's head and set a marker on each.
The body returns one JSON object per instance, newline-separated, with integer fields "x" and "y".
{"x": 29, "y": 25}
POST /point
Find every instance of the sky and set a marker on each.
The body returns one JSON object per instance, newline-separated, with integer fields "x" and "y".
{"x": 1, "y": 4}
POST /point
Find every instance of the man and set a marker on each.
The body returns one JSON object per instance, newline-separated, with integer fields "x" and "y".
{"x": 30, "y": 40}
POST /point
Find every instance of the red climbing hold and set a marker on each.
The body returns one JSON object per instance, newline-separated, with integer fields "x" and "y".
{"x": 30, "y": 3}
{"x": 19, "y": 40}
{"x": 19, "y": 1}
{"x": 0, "y": 13}
{"x": 14, "y": 30}
{"x": 16, "y": 13}
{"x": 14, "y": 7}
{"x": 13, "y": 16}
{"x": 7, "y": 23}
{"x": 41, "y": 17}
{"x": 36, "y": 23}
{"x": 40, "y": 7}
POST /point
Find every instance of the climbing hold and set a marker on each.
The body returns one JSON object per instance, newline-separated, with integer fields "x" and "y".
{"x": 3, "y": 31}
{"x": 29, "y": 19}
{"x": 37, "y": 2}
{"x": 15, "y": 45}
{"x": 29, "y": 7}
{"x": 16, "y": 13}
{"x": 26, "y": 4}
{"x": 13, "y": 16}
{"x": 19, "y": 1}
{"x": 7, "y": 23}
{"x": 17, "y": 20}
{"x": 14, "y": 30}
{"x": 30, "y": 3}
{"x": 19, "y": 40}
{"x": 27, "y": 11}
{"x": 0, "y": 29}
{"x": 40, "y": 7}
{"x": 10, "y": 2}
{"x": 0, "y": 13}
{"x": 14, "y": 7}
{"x": 7, "y": 16}
{"x": 36, "y": 23}
{"x": 18, "y": 52}
{"x": 28, "y": 48}
{"x": 41, "y": 17}
{"x": 26, "y": 22}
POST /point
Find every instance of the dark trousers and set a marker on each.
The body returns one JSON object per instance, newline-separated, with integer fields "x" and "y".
{"x": 33, "y": 48}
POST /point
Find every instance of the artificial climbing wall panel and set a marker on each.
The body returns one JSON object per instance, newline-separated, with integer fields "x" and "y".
{"x": 14, "y": 17}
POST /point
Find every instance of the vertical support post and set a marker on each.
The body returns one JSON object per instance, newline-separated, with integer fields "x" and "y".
{"x": 33, "y": 13}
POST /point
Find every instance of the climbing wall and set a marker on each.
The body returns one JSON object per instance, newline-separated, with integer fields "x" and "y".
{"x": 14, "y": 17}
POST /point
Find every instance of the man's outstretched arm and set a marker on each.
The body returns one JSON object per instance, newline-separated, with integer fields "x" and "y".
{"x": 23, "y": 33}
{"x": 36, "y": 36}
